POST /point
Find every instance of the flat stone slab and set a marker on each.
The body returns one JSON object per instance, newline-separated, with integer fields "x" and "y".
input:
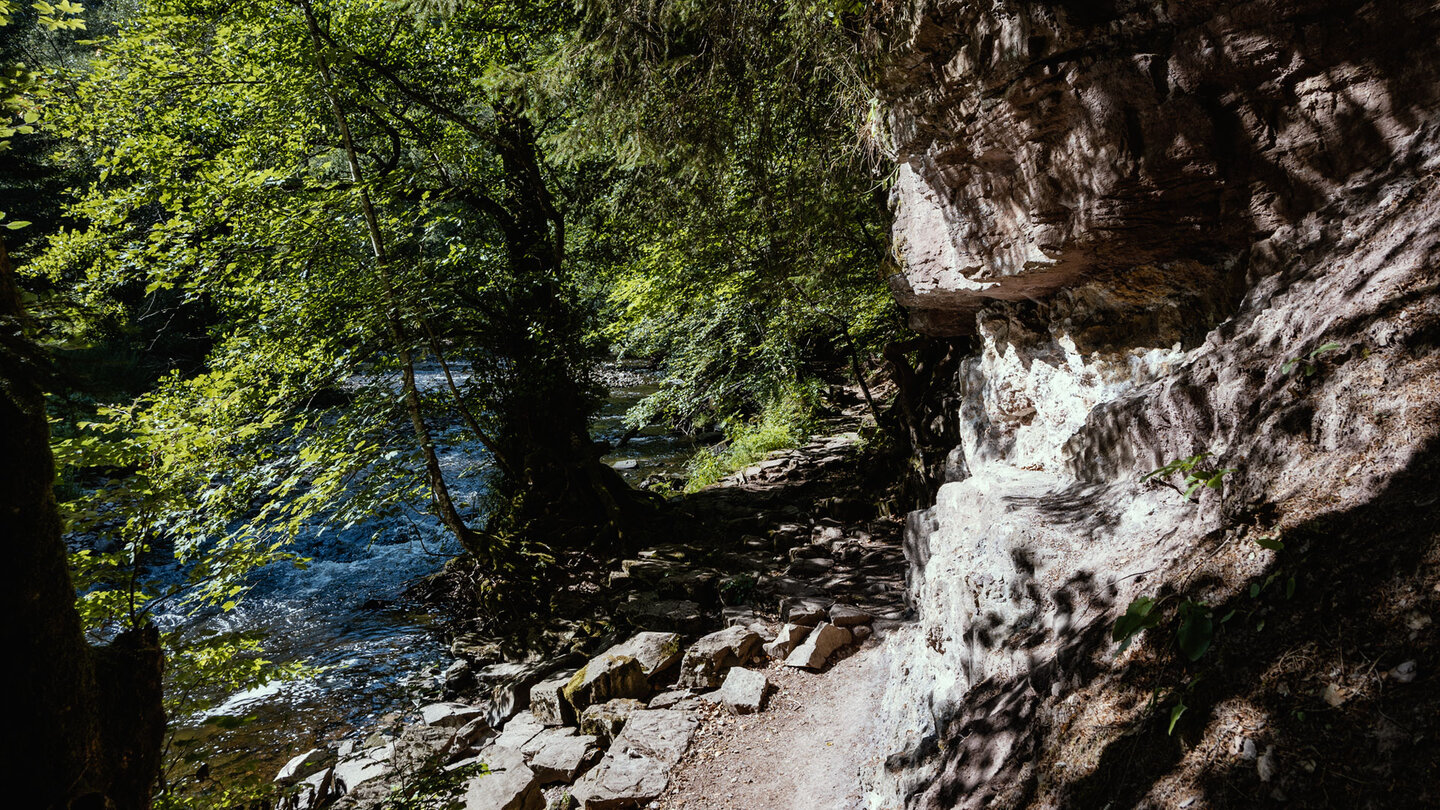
{"x": 363, "y": 767}
{"x": 450, "y": 715}
{"x": 744, "y": 691}
{"x": 817, "y": 648}
{"x": 638, "y": 766}
{"x": 521, "y": 729}
{"x": 560, "y": 755}
{"x": 804, "y": 611}
{"x": 656, "y": 651}
{"x": 507, "y": 784}
{"x": 848, "y": 615}
{"x": 710, "y": 657}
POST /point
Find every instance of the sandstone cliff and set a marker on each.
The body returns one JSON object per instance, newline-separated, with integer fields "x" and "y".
{"x": 1171, "y": 229}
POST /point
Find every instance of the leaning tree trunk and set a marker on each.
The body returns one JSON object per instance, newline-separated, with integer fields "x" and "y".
{"x": 87, "y": 727}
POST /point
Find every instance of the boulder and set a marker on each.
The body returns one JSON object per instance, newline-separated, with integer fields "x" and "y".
{"x": 560, "y": 755}
{"x": 450, "y": 715}
{"x": 548, "y": 703}
{"x": 655, "y": 651}
{"x": 510, "y": 686}
{"x": 469, "y": 736}
{"x": 806, "y": 552}
{"x": 459, "y": 676}
{"x": 817, "y": 648}
{"x": 710, "y": 657}
{"x": 848, "y": 615}
{"x": 605, "y": 720}
{"x": 507, "y": 784}
{"x": 291, "y": 770}
{"x": 368, "y": 765}
{"x": 638, "y": 766}
{"x": 606, "y": 677}
{"x": 520, "y": 730}
{"x": 804, "y": 611}
{"x": 744, "y": 691}
{"x": 785, "y": 640}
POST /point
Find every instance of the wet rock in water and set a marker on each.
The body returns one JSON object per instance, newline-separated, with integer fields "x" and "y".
{"x": 291, "y": 770}
{"x": 786, "y": 639}
{"x": 744, "y": 691}
{"x": 848, "y": 616}
{"x": 560, "y": 754}
{"x": 626, "y": 464}
{"x": 507, "y": 784}
{"x": 450, "y": 715}
{"x": 804, "y": 611}
{"x": 606, "y": 677}
{"x": 637, "y": 767}
{"x": 655, "y": 651}
{"x": 817, "y": 648}
{"x": 710, "y": 657}
{"x": 548, "y": 703}
{"x": 650, "y": 612}
{"x": 521, "y": 729}
{"x": 606, "y": 720}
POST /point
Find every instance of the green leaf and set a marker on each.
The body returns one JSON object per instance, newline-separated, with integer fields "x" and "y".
{"x": 1289, "y": 587}
{"x": 1197, "y": 630}
{"x": 1254, "y": 590}
{"x": 17, "y": 225}
{"x": 1270, "y": 541}
{"x": 1175, "y": 716}
{"x": 1138, "y": 616}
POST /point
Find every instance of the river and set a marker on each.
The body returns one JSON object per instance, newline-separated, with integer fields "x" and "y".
{"x": 343, "y": 613}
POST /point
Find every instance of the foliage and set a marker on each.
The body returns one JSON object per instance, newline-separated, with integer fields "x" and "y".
{"x": 784, "y": 424}
{"x": 742, "y": 239}
{"x": 1196, "y": 476}
{"x": 1309, "y": 362}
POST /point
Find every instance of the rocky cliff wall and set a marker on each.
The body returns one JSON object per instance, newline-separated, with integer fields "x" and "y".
{"x": 1149, "y": 215}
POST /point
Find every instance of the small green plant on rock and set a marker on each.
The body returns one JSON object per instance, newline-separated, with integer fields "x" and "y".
{"x": 1308, "y": 364}
{"x": 1196, "y": 476}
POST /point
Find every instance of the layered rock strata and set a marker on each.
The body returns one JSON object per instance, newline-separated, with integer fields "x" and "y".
{"x": 1169, "y": 229}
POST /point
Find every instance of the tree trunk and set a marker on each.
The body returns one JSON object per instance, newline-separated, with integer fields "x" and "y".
{"x": 88, "y": 726}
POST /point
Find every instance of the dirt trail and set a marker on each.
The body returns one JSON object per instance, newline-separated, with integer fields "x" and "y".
{"x": 804, "y": 752}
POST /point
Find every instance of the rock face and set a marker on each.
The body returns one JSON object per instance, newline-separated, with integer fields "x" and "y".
{"x": 1135, "y": 223}
{"x": 637, "y": 767}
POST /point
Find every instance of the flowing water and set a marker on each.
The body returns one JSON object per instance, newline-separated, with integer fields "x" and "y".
{"x": 343, "y": 613}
